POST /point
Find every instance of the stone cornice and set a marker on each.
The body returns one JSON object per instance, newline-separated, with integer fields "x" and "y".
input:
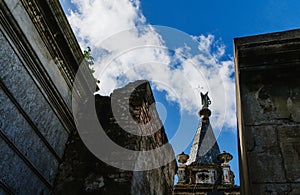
{"x": 55, "y": 31}
{"x": 197, "y": 166}
{"x": 269, "y": 51}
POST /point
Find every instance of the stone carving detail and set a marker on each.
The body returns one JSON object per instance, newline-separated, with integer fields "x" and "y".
{"x": 205, "y": 101}
{"x": 205, "y": 177}
{"x": 48, "y": 38}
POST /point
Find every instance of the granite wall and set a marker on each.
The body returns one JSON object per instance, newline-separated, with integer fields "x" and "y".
{"x": 268, "y": 104}
{"x": 35, "y": 95}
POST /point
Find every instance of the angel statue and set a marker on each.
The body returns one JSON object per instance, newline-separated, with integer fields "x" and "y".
{"x": 205, "y": 100}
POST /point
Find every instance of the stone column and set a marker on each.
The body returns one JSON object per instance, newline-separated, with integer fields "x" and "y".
{"x": 227, "y": 176}
{"x": 182, "y": 159}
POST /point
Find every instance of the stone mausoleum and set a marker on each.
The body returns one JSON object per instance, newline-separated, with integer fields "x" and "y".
{"x": 268, "y": 107}
{"x": 40, "y": 149}
{"x": 42, "y": 153}
{"x": 205, "y": 170}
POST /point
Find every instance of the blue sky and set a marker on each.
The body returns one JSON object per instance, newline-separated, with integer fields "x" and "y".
{"x": 197, "y": 52}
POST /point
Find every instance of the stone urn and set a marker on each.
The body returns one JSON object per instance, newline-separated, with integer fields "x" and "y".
{"x": 225, "y": 157}
{"x": 182, "y": 157}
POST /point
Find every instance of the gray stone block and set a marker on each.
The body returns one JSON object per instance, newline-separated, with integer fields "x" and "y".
{"x": 26, "y": 140}
{"x": 266, "y": 167}
{"x": 262, "y": 139}
{"x": 26, "y": 92}
{"x": 289, "y": 142}
{"x": 17, "y": 175}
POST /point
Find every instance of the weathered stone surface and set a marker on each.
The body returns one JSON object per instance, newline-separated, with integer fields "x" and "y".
{"x": 151, "y": 182}
{"x": 205, "y": 148}
{"x": 35, "y": 96}
{"x": 82, "y": 173}
{"x": 25, "y": 139}
{"x": 273, "y": 189}
{"x": 262, "y": 139}
{"x": 295, "y": 189}
{"x": 128, "y": 108}
{"x": 32, "y": 35}
{"x": 289, "y": 137}
{"x": 269, "y": 164}
{"x": 264, "y": 154}
{"x": 16, "y": 174}
{"x": 23, "y": 88}
{"x": 26, "y": 92}
{"x": 268, "y": 106}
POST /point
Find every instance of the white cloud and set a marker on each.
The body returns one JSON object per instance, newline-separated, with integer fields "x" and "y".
{"x": 126, "y": 51}
{"x": 97, "y": 20}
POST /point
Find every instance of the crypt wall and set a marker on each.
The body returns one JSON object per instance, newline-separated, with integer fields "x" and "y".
{"x": 268, "y": 102}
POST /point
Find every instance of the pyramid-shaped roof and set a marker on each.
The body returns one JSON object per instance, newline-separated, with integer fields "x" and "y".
{"x": 205, "y": 148}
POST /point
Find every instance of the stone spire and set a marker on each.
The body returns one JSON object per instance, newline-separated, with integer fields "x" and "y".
{"x": 205, "y": 148}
